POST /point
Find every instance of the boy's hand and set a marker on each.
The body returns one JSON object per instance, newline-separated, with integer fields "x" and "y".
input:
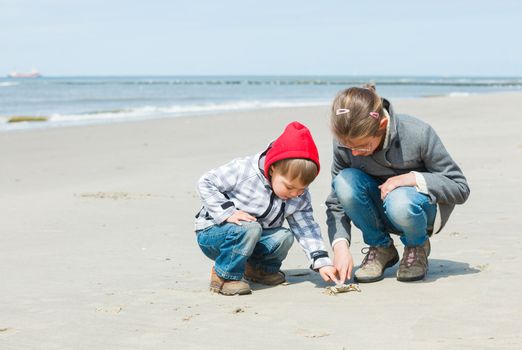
{"x": 329, "y": 273}
{"x": 343, "y": 261}
{"x": 239, "y": 216}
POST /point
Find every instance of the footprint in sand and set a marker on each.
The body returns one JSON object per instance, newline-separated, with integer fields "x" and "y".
{"x": 120, "y": 195}
{"x": 312, "y": 334}
{"x": 110, "y": 309}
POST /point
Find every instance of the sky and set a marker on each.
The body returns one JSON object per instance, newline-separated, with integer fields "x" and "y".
{"x": 265, "y": 37}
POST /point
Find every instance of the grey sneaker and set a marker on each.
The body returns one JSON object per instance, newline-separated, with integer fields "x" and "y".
{"x": 377, "y": 260}
{"x": 414, "y": 263}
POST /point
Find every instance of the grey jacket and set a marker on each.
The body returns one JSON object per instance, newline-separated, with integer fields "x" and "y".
{"x": 409, "y": 145}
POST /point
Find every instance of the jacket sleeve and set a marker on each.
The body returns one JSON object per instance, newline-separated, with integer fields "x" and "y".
{"x": 338, "y": 222}
{"x": 213, "y": 186}
{"x": 444, "y": 179}
{"x": 308, "y": 233}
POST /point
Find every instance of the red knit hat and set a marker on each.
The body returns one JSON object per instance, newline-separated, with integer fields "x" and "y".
{"x": 295, "y": 142}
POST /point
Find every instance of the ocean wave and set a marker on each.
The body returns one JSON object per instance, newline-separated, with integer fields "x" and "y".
{"x": 8, "y": 83}
{"x": 179, "y": 110}
{"x": 458, "y": 94}
{"x": 449, "y": 94}
{"x": 147, "y": 112}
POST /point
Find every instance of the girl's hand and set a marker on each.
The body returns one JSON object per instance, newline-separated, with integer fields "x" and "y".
{"x": 397, "y": 181}
{"x": 239, "y": 216}
{"x": 343, "y": 261}
{"x": 329, "y": 273}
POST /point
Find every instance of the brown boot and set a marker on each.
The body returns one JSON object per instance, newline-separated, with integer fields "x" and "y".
{"x": 231, "y": 287}
{"x": 377, "y": 260}
{"x": 228, "y": 287}
{"x": 414, "y": 263}
{"x": 216, "y": 282}
{"x": 260, "y": 276}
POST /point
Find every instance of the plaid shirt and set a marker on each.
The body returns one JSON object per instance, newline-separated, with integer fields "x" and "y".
{"x": 241, "y": 185}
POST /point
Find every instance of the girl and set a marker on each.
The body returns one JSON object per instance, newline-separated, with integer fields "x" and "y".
{"x": 391, "y": 174}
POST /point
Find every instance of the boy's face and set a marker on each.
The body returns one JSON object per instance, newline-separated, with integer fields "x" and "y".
{"x": 285, "y": 188}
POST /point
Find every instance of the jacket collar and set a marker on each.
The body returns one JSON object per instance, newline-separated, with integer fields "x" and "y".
{"x": 391, "y": 129}
{"x": 259, "y": 164}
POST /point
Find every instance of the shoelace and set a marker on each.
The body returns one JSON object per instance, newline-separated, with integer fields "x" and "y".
{"x": 371, "y": 254}
{"x": 412, "y": 256}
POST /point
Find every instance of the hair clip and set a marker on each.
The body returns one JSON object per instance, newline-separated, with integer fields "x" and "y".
{"x": 342, "y": 111}
{"x": 374, "y": 115}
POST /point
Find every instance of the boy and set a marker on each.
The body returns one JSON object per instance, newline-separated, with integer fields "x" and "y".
{"x": 245, "y": 203}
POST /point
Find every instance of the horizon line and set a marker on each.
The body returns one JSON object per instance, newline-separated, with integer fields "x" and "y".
{"x": 269, "y": 75}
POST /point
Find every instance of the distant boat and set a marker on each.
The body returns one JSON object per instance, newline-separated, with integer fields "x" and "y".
{"x": 32, "y": 74}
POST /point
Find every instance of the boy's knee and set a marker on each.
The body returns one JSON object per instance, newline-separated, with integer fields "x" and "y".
{"x": 281, "y": 240}
{"x": 252, "y": 226}
{"x": 251, "y": 231}
{"x": 287, "y": 240}
{"x": 281, "y": 245}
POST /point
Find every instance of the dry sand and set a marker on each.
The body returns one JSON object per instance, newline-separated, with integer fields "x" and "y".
{"x": 97, "y": 249}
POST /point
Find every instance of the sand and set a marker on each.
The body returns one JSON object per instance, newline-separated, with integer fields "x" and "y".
{"x": 97, "y": 249}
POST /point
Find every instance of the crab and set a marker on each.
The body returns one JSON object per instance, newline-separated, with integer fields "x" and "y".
{"x": 342, "y": 288}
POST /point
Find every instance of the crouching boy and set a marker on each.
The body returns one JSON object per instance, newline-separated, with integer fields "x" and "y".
{"x": 245, "y": 204}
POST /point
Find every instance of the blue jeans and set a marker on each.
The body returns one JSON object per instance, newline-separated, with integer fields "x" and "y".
{"x": 231, "y": 246}
{"x": 404, "y": 211}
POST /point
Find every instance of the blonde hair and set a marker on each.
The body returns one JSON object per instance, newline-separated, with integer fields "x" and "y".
{"x": 356, "y": 112}
{"x": 304, "y": 170}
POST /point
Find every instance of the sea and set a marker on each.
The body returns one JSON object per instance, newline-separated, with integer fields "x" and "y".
{"x": 71, "y": 101}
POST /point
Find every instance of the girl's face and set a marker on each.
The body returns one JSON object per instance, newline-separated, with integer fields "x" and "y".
{"x": 285, "y": 188}
{"x": 363, "y": 146}
{"x": 367, "y": 145}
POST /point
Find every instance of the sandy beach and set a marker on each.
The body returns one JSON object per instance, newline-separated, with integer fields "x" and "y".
{"x": 97, "y": 249}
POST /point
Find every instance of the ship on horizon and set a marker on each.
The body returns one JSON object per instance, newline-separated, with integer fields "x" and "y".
{"x": 32, "y": 74}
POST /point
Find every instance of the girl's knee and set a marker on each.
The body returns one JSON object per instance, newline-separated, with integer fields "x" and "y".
{"x": 349, "y": 183}
{"x": 343, "y": 184}
{"x": 349, "y": 176}
{"x": 402, "y": 204}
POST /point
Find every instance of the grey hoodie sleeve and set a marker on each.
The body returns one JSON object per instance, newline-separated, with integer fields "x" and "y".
{"x": 445, "y": 181}
{"x": 338, "y": 222}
